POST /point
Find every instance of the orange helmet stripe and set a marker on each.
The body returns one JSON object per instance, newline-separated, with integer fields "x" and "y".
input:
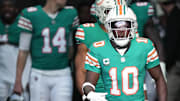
{"x": 120, "y": 9}
{"x": 118, "y": 2}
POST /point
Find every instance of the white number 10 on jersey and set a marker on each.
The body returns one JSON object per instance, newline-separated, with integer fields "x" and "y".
{"x": 57, "y": 41}
{"x": 125, "y": 81}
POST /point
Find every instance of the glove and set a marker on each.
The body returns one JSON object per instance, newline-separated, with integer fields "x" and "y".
{"x": 16, "y": 97}
{"x": 93, "y": 96}
{"x": 84, "y": 97}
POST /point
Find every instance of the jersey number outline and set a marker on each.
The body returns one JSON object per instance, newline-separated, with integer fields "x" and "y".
{"x": 125, "y": 81}
{"x": 58, "y": 40}
{"x": 140, "y": 39}
{"x": 88, "y": 25}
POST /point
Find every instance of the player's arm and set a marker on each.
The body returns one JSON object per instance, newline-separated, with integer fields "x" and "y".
{"x": 91, "y": 78}
{"x": 93, "y": 68}
{"x": 157, "y": 75}
{"x": 25, "y": 40}
{"x": 79, "y": 64}
{"x": 89, "y": 87}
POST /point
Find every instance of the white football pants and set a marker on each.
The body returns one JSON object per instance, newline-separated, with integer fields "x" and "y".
{"x": 51, "y": 85}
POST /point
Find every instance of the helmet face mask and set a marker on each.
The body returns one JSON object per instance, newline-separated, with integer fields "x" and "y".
{"x": 121, "y": 29}
{"x": 103, "y": 12}
{"x": 121, "y": 32}
{"x": 106, "y": 11}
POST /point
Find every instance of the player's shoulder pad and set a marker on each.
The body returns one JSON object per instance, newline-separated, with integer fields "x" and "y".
{"x": 144, "y": 41}
{"x": 69, "y": 7}
{"x": 88, "y": 25}
{"x": 30, "y": 9}
{"x": 71, "y": 10}
{"x": 142, "y": 3}
{"x": 99, "y": 44}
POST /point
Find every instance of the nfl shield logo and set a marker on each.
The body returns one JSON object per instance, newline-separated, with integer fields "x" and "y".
{"x": 106, "y": 61}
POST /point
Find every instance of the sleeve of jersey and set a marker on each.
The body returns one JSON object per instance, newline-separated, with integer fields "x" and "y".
{"x": 150, "y": 10}
{"x": 76, "y": 20}
{"x": 152, "y": 57}
{"x": 24, "y": 22}
{"x": 92, "y": 63}
{"x": 80, "y": 35}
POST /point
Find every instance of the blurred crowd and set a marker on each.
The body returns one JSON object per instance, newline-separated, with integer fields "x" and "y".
{"x": 160, "y": 22}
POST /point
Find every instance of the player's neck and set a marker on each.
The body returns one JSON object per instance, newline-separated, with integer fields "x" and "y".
{"x": 120, "y": 47}
{"x": 51, "y": 7}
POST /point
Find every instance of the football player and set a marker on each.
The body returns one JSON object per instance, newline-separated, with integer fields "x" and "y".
{"x": 87, "y": 34}
{"x": 9, "y": 40}
{"x": 46, "y": 36}
{"x": 122, "y": 61}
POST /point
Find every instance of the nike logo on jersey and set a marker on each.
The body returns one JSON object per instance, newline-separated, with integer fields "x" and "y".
{"x": 106, "y": 61}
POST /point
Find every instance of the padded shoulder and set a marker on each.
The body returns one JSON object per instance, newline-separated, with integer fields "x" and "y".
{"x": 86, "y": 25}
{"x": 142, "y": 39}
{"x": 69, "y": 7}
{"x": 30, "y": 9}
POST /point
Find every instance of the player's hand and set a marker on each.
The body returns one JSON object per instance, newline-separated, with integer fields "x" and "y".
{"x": 84, "y": 97}
{"x": 18, "y": 88}
{"x": 93, "y": 96}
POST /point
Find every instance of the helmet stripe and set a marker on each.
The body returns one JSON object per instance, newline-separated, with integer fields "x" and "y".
{"x": 117, "y": 10}
{"x": 121, "y": 2}
{"x": 117, "y": 2}
{"x": 124, "y": 9}
{"x": 120, "y": 9}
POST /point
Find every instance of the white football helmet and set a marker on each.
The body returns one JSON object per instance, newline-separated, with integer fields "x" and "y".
{"x": 102, "y": 8}
{"x": 121, "y": 24}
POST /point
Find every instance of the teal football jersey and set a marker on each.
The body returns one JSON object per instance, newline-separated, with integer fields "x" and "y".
{"x": 10, "y": 33}
{"x": 123, "y": 75}
{"x": 88, "y": 34}
{"x": 50, "y": 37}
{"x": 143, "y": 11}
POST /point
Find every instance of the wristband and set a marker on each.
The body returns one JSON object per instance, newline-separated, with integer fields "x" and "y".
{"x": 87, "y": 84}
